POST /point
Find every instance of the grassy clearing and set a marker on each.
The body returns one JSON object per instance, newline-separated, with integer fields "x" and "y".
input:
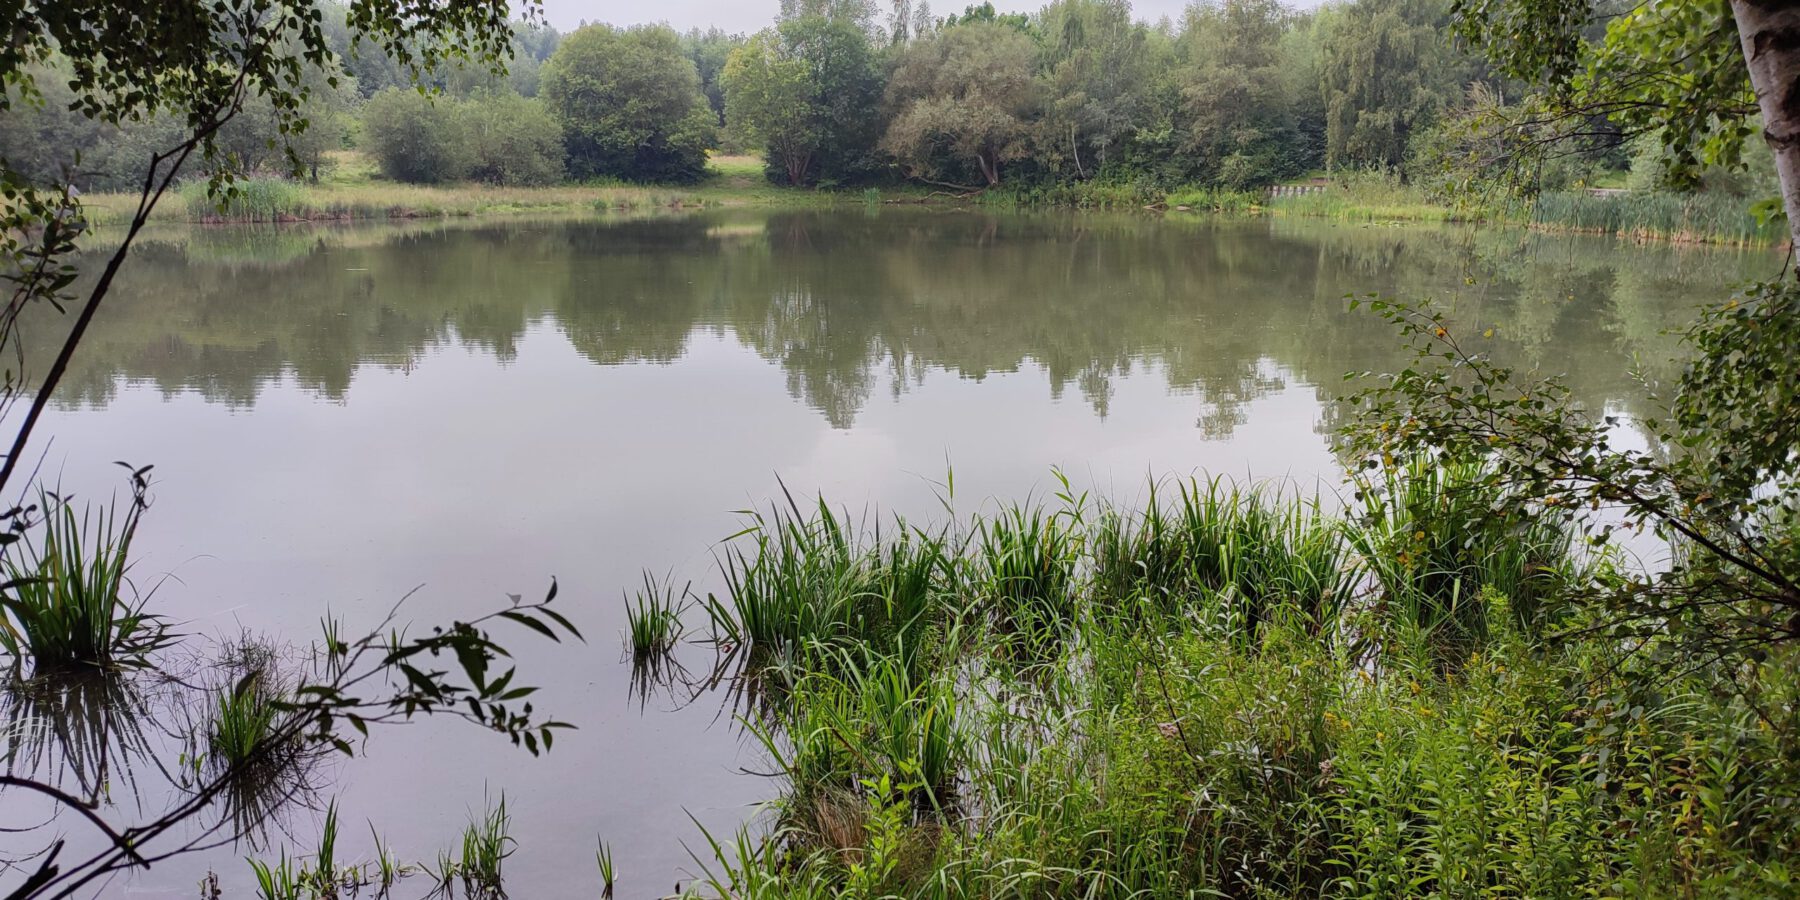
{"x": 1232, "y": 693}
{"x": 351, "y": 190}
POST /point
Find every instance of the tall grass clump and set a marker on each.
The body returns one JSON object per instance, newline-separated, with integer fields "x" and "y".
{"x": 870, "y": 738}
{"x": 64, "y": 608}
{"x": 1251, "y": 697}
{"x": 486, "y": 843}
{"x": 653, "y": 619}
{"x": 800, "y": 583}
{"x": 279, "y": 881}
{"x": 243, "y": 724}
{"x": 259, "y": 199}
{"x": 1024, "y": 577}
{"x": 1697, "y": 217}
{"x": 1235, "y": 557}
{"x": 1439, "y": 533}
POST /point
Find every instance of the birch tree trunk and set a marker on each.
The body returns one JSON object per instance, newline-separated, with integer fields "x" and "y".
{"x": 1770, "y": 33}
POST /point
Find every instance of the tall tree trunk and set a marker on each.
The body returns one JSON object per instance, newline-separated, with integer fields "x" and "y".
{"x": 989, "y": 170}
{"x": 1770, "y": 33}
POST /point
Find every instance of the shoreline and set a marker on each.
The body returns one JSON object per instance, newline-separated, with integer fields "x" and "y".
{"x": 378, "y": 201}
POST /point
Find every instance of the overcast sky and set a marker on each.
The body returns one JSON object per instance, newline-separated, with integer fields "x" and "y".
{"x": 752, "y": 15}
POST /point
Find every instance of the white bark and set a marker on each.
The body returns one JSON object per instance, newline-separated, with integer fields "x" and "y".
{"x": 1770, "y": 33}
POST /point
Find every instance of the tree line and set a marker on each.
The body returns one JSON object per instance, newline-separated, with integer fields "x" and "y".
{"x": 1234, "y": 95}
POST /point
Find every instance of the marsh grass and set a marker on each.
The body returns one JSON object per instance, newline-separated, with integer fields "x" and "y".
{"x": 243, "y": 724}
{"x": 653, "y": 618}
{"x": 1233, "y": 556}
{"x": 479, "y": 865}
{"x": 388, "y": 868}
{"x": 603, "y": 859}
{"x": 1649, "y": 215}
{"x": 1024, "y": 578}
{"x": 280, "y": 880}
{"x": 1251, "y": 697}
{"x": 1438, "y": 533}
{"x": 64, "y": 604}
{"x": 801, "y": 585}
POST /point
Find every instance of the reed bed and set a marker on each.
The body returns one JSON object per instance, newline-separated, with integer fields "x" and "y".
{"x": 1231, "y": 692}
{"x": 1644, "y": 215}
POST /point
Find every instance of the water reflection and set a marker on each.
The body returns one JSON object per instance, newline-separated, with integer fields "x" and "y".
{"x": 139, "y": 746}
{"x": 90, "y": 737}
{"x": 1230, "y": 311}
{"x": 349, "y": 413}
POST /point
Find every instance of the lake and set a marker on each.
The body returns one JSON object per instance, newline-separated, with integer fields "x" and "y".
{"x": 340, "y": 416}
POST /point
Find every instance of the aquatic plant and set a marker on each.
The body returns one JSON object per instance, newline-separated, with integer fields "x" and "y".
{"x": 486, "y": 843}
{"x": 1233, "y": 556}
{"x": 1024, "y": 577}
{"x": 244, "y": 723}
{"x": 798, "y": 584}
{"x": 603, "y": 858}
{"x": 653, "y": 618}
{"x": 388, "y": 868}
{"x": 64, "y": 608}
{"x": 280, "y": 881}
{"x": 1437, "y": 533}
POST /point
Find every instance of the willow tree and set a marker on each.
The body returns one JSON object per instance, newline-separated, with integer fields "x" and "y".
{"x": 967, "y": 96}
{"x": 1388, "y": 72}
{"x": 769, "y": 94}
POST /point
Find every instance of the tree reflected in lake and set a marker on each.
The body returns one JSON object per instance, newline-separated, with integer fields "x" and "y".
{"x": 1228, "y": 310}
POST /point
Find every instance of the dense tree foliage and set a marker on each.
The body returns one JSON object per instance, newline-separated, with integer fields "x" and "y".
{"x": 499, "y": 138}
{"x": 965, "y": 99}
{"x": 771, "y": 99}
{"x": 1232, "y": 94}
{"x": 630, "y": 104}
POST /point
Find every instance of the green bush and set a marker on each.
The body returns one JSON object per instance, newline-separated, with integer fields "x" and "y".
{"x": 417, "y": 138}
{"x": 630, "y": 104}
{"x": 512, "y": 140}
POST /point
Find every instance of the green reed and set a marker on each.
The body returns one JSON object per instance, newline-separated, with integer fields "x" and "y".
{"x": 1437, "y": 534}
{"x": 603, "y": 858}
{"x": 241, "y": 733}
{"x": 1023, "y": 576}
{"x": 486, "y": 843}
{"x": 259, "y": 199}
{"x": 653, "y": 619}
{"x": 798, "y": 582}
{"x": 280, "y": 881}
{"x": 1701, "y": 217}
{"x": 1235, "y": 556}
{"x": 64, "y": 608}
{"x": 1234, "y": 710}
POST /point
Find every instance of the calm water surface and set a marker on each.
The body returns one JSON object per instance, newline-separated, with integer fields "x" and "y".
{"x": 338, "y": 417}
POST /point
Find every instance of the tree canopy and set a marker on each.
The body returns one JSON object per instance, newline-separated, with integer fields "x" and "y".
{"x": 630, "y": 104}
